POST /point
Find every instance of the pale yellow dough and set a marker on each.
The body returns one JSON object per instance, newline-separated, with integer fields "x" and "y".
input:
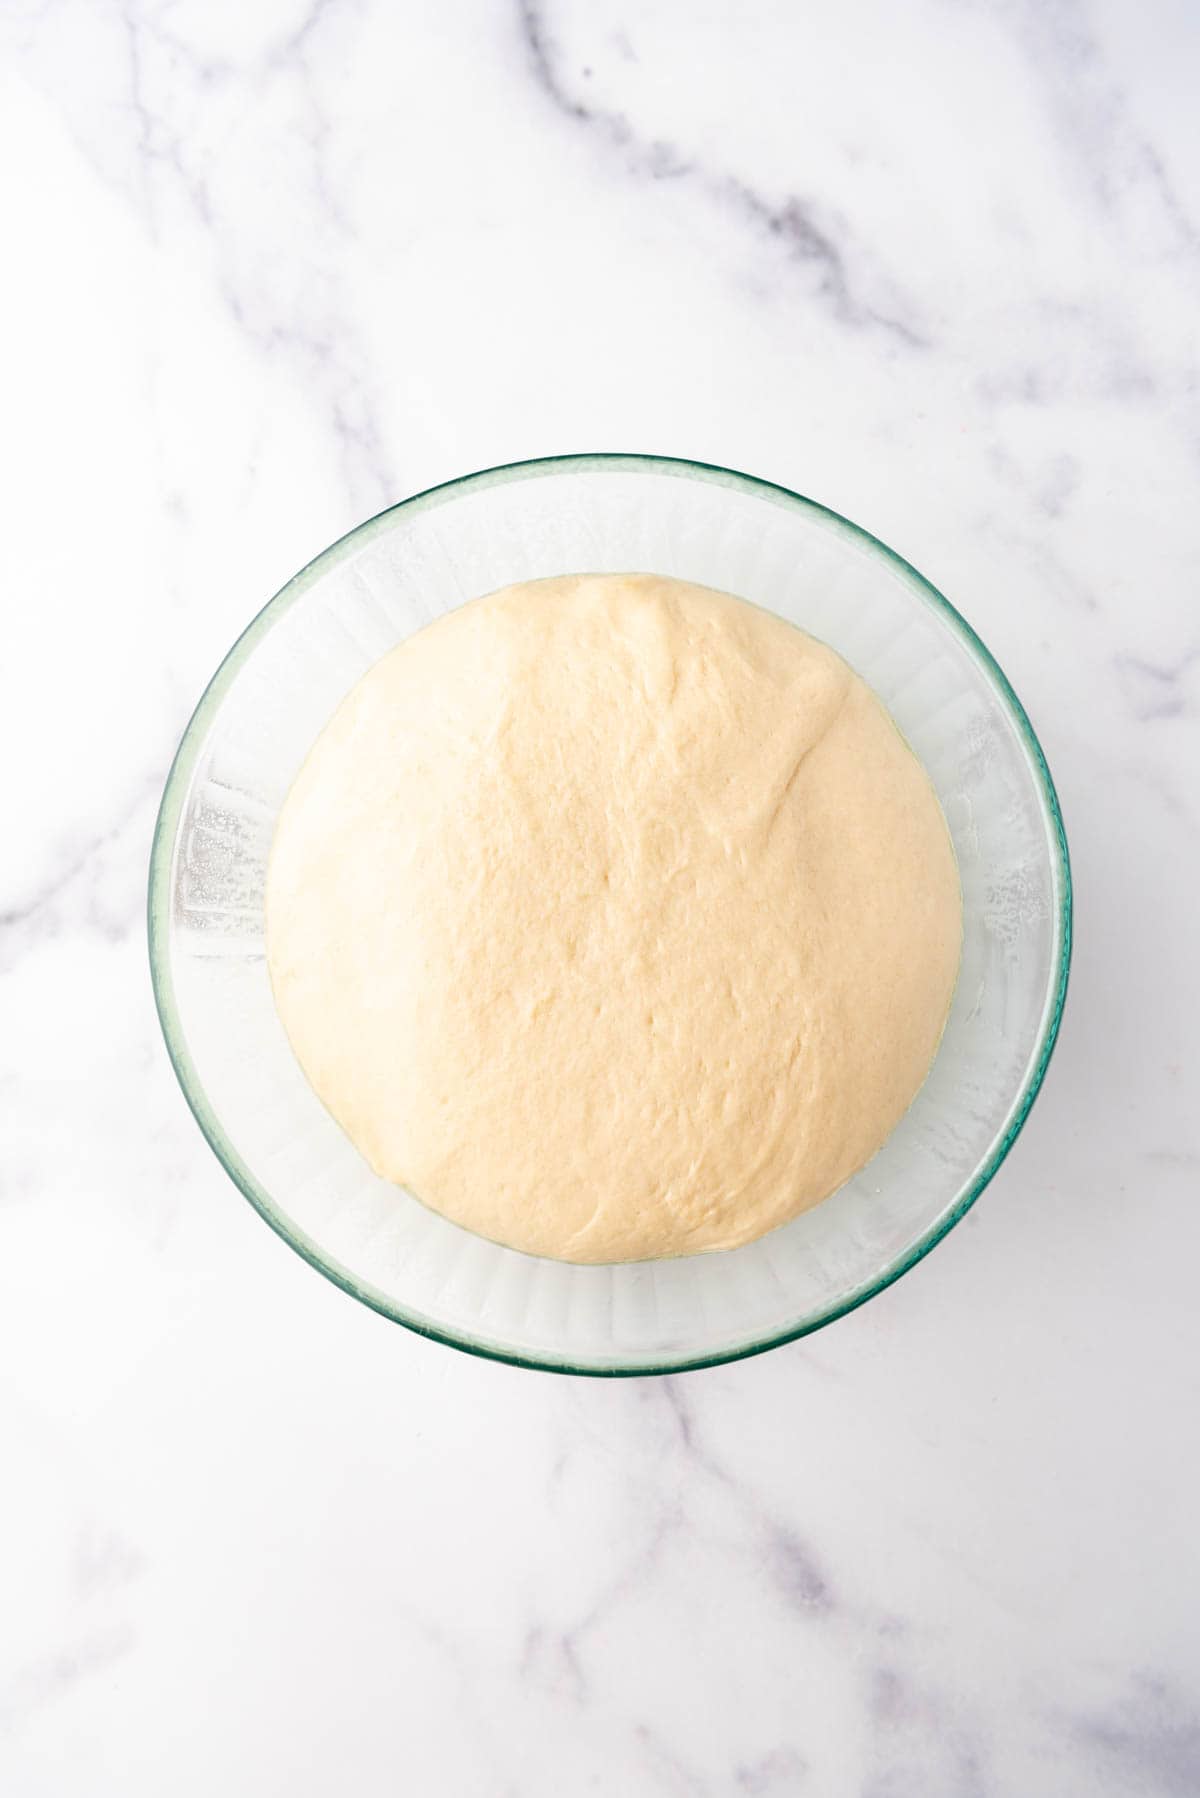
{"x": 614, "y": 917}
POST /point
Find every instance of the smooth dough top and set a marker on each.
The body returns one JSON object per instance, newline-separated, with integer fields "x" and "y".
{"x": 614, "y": 917}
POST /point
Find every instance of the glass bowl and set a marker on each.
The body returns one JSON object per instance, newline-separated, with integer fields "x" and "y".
{"x": 605, "y": 513}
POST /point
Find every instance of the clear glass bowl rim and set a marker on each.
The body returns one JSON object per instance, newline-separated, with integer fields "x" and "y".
{"x": 174, "y": 793}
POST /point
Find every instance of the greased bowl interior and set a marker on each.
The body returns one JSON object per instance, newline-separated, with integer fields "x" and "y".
{"x": 592, "y": 514}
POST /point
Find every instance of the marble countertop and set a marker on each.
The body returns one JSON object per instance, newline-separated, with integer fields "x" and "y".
{"x": 270, "y": 266}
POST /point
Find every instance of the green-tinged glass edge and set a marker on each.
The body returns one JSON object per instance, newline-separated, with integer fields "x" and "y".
{"x": 166, "y": 827}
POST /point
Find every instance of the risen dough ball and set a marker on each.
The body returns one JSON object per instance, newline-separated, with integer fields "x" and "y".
{"x": 614, "y": 917}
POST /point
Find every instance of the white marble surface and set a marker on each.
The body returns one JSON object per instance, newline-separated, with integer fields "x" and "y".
{"x": 269, "y": 266}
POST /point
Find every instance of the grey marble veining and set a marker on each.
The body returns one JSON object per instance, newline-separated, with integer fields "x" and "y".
{"x": 270, "y": 267}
